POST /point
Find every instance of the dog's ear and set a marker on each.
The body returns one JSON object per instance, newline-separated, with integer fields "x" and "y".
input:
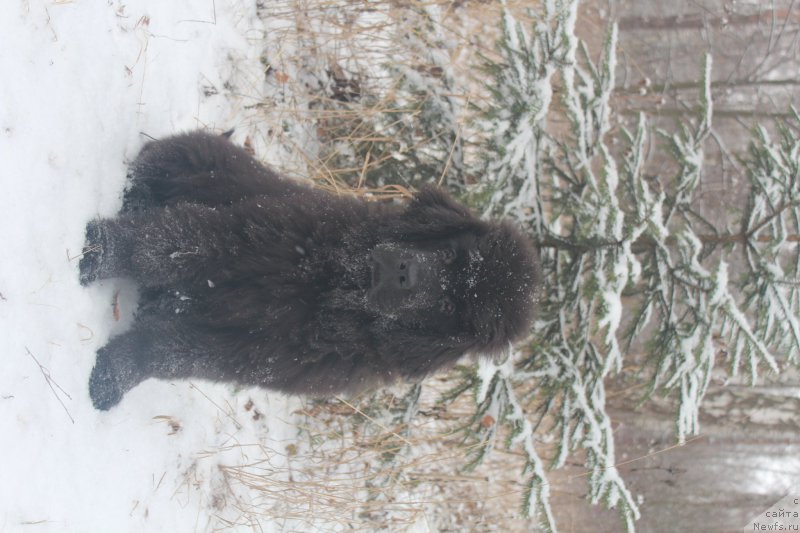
{"x": 434, "y": 214}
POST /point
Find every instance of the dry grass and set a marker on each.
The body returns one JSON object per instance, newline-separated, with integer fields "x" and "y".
{"x": 351, "y": 471}
{"x": 328, "y": 126}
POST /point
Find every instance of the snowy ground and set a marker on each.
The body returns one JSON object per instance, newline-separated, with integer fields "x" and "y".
{"x": 80, "y": 82}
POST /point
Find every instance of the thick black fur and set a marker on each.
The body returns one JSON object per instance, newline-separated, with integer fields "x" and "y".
{"x": 251, "y": 278}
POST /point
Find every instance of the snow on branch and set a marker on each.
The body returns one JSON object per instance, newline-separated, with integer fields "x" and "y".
{"x": 522, "y": 91}
{"x": 613, "y": 238}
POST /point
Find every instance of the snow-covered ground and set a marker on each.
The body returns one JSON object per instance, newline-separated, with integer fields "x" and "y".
{"x": 79, "y": 84}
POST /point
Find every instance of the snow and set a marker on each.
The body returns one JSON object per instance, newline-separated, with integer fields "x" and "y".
{"x": 504, "y": 403}
{"x": 609, "y": 69}
{"x": 707, "y": 100}
{"x": 81, "y": 80}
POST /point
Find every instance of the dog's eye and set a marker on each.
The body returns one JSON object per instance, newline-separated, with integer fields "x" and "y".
{"x": 447, "y": 306}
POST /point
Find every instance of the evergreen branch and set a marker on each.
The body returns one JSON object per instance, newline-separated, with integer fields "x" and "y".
{"x": 646, "y": 243}
{"x": 777, "y": 212}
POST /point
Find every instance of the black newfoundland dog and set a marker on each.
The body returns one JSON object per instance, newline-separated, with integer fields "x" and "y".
{"x": 251, "y": 278}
